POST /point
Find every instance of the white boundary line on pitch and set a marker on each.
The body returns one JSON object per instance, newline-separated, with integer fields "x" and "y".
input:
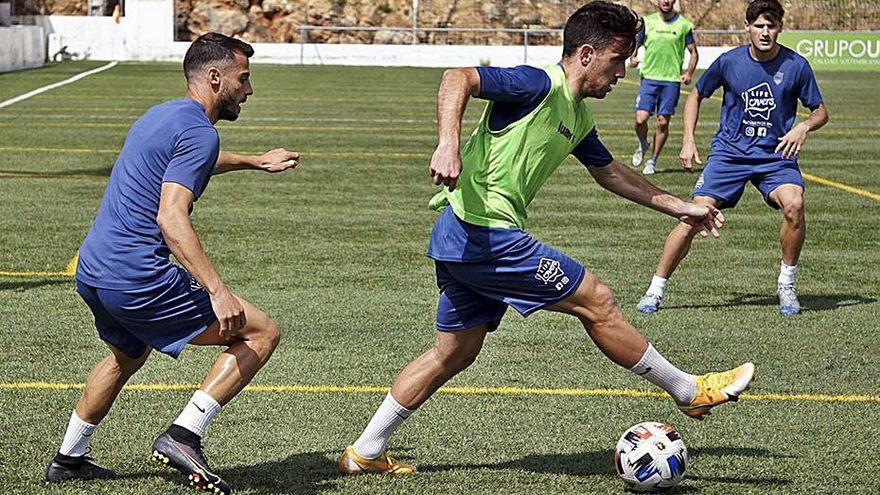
{"x": 52, "y": 86}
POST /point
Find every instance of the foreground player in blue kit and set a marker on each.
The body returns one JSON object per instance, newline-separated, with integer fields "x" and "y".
{"x": 486, "y": 262}
{"x": 757, "y": 141}
{"x": 140, "y": 300}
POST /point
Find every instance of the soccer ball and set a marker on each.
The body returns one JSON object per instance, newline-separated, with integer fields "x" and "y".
{"x": 650, "y": 457}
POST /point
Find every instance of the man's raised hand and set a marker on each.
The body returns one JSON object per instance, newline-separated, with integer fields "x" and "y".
{"x": 278, "y": 160}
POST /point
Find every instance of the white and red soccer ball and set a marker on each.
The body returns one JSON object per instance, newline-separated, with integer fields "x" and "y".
{"x": 650, "y": 457}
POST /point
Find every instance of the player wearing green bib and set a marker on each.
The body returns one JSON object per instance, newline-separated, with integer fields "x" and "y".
{"x": 500, "y": 179}
{"x": 486, "y": 262}
{"x": 665, "y": 36}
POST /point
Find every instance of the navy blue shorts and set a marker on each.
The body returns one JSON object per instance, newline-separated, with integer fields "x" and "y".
{"x": 165, "y": 318}
{"x": 658, "y": 97}
{"x": 724, "y": 178}
{"x": 528, "y": 277}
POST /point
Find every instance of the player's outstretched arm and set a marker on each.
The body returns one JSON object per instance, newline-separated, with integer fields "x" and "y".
{"x": 692, "y": 63}
{"x": 177, "y": 229}
{"x": 689, "y": 153}
{"x": 456, "y": 86}
{"x": 623, "y": 181}
{"x": 277, "y": 160}
{"x": 790, "y": 144}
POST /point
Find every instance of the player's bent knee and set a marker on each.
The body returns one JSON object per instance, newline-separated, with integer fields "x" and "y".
{"x": 604, "y": 304}
{"x": 461, "y": 361}
{"x": 593, "y": 302}
{"x": 793, "y": 209}
{"x": 269, "y": 334}
{"x": 274, "y": 335}
{"x": 687, "y": 229}
{"x": 457, "y": 358}
{"x": 126, "y": 365}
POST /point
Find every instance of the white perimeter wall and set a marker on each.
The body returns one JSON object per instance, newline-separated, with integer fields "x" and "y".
{"x": 147, "y": 33}
{"x": 21, "y": 47}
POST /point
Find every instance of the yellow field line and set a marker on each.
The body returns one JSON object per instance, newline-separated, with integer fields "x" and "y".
{"x": 340, "y": 389}
{"x": 355, "y": 154}
{"x": 245, "y": 127}
{"x": 69, "y": 270}
{"x": 34, "y": 274}
{"x": 44, "y": 175}
{"x": 843, "y": 187}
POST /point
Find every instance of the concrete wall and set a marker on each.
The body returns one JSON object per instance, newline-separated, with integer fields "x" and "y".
{"x": 22, "y": 47}
{"x": 145, "y": 33}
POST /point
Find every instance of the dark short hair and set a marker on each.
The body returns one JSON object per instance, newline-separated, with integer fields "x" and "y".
{"x": 213, "y": 48}
{"x": 599, "y": 24}
{"x": 770, "y": 8}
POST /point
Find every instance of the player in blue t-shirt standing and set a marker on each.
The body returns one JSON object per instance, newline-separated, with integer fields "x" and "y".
{"x": 757, "y": 141}
{"x": 140, "y": 300}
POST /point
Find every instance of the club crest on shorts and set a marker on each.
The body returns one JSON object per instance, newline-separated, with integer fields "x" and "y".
{"x": 194, "y": 284}
{"x": 549, "y": 271}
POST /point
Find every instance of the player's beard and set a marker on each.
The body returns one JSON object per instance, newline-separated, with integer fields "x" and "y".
{"x": 229, "y": 107}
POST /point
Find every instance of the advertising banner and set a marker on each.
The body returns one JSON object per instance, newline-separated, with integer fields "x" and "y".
{"x": 836, "y": 50}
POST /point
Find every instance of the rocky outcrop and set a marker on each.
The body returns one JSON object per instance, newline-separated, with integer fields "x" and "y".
{"x": 279, "y": 20}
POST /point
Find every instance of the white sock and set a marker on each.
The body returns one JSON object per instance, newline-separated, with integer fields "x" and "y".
{"x": 658, "y": 286}
{"x": 76, "y": 439}
{"x": 786, "y": 274}
{"x": 198, "y": 413}
{"x": 643, "y": 143}
{"x": 375, "y": 437}
{"x": 657, "y": 370}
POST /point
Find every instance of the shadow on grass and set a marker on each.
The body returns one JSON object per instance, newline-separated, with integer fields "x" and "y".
{"x": 23, "y": 285}
{"x": 311, "y": 473}
{"x": 809, "y": 302}
{"x": 304, "y": 474}
{"x": 601, "y": 463}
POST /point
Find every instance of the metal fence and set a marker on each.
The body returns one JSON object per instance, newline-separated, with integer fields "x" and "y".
{"x": 477, "y": 36}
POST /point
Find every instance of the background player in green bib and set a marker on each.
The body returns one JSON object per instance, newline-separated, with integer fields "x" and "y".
{"x": 484, "y": 259}
{"x": 665, "y": 36}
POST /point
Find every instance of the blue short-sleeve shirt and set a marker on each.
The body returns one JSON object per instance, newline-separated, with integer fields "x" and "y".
{"x": 760, "y": 100}
{"x": 124, "y": 248}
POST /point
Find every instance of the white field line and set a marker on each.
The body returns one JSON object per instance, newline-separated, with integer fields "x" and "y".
{"x": 52, "y": 86}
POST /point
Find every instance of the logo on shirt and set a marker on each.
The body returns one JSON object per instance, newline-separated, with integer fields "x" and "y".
{"x": 194, "y": 284}
{"x": 777, "y": 78}
{"x": 549, "y": 272}
{"x": 565, "y": 132}
{"x": 759, "y": 101}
